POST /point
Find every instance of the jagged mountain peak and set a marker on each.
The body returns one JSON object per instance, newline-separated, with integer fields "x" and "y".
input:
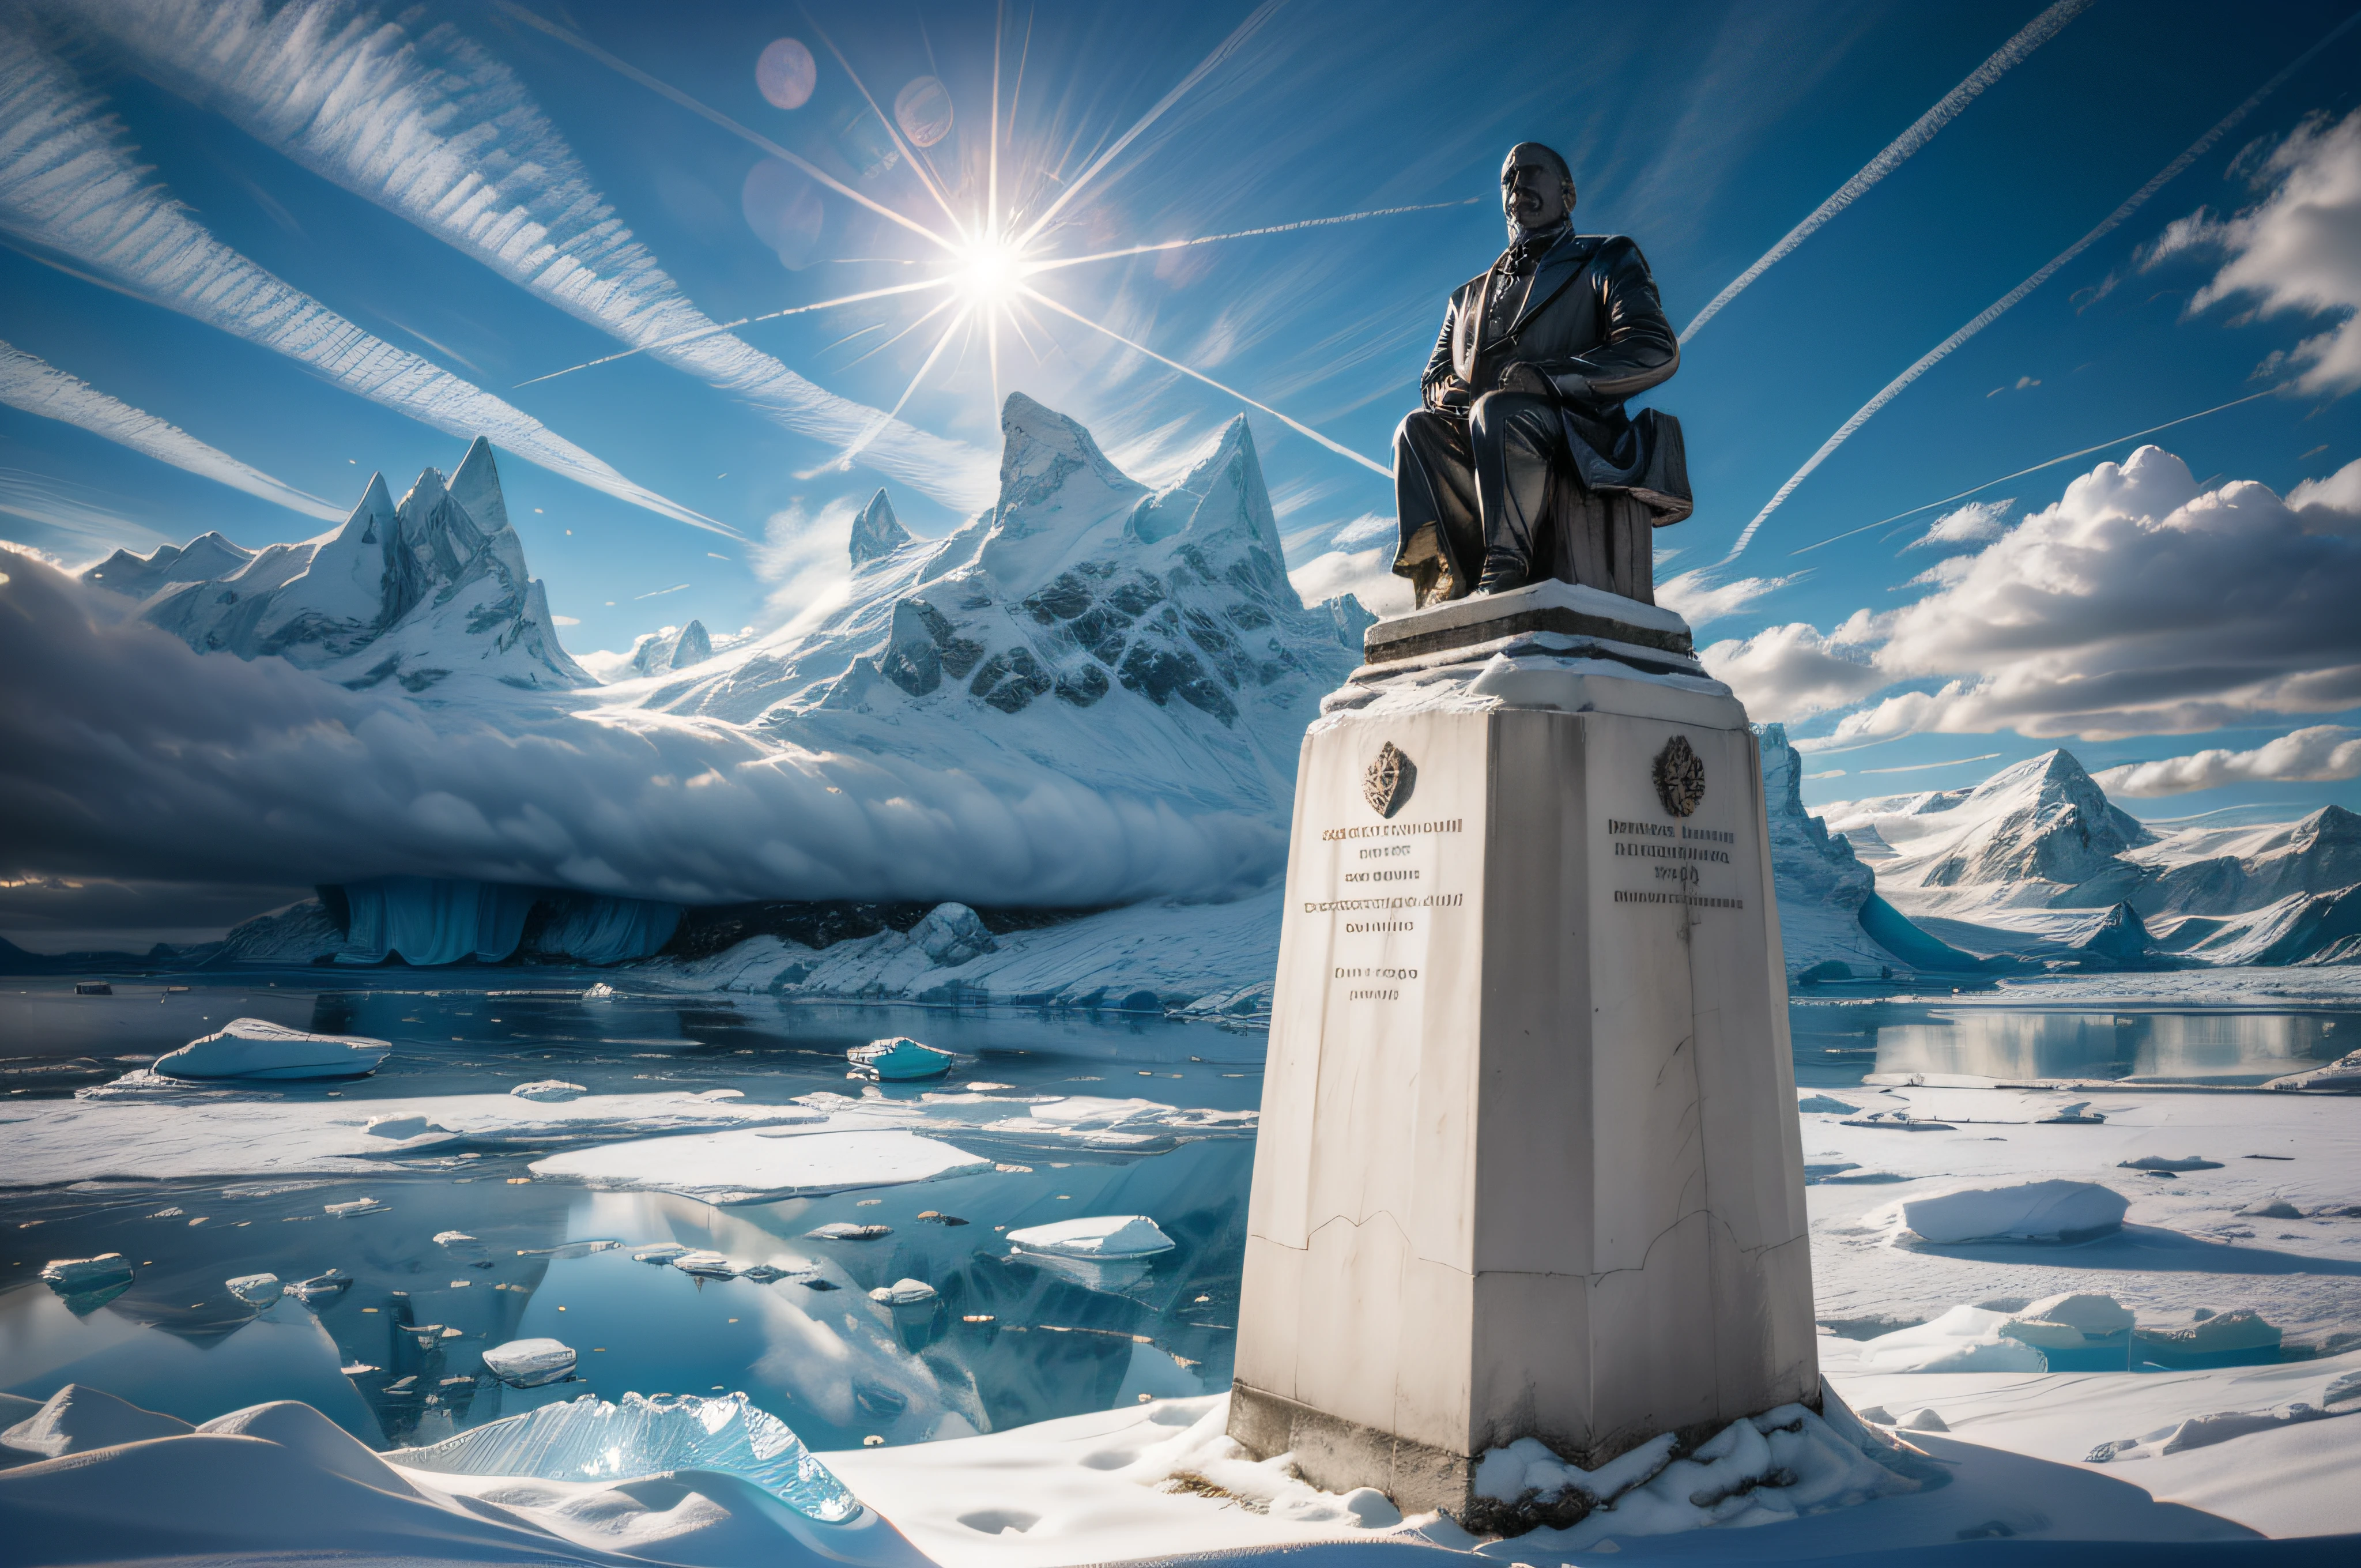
{"x": 876, "y": 531}
{"x": 475, "y": 486}
{"x": 1041, "y": 453}
{"x": 2330, "y": 826}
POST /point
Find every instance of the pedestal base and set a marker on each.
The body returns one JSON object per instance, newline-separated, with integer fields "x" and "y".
{"x": 1529, "y": 1162}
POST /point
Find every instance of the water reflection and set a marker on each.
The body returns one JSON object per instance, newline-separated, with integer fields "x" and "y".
{"x": 1846, "y": 1042}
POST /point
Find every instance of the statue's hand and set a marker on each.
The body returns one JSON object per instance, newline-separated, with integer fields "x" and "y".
{"x": 1518, "y": 377}
{"x": 1450, "y": 397}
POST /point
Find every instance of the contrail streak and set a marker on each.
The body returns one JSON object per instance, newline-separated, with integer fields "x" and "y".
{"x": 2000, "y": 306}
{"x": 958, "y": 321}
{"x": 1055, "y": 262}
{"x": 39, "y": 387}
{"x": 716, "y": 328}
{"x": 430, "y": 127}
{"x": 909, "y": 154}
{"x": 1294, "y": 424}
{"x": 2036, "y": 33}
{"x": 1222, "y": 52}
{"x": 68, "y": 184}
{"x": 2037, "y": 469}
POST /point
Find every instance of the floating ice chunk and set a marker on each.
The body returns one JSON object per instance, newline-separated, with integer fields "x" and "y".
{"x": 321, "y": 1286}
{"x": 591, "y": 1439}
{"x": 1965, "y": 1339}
{"x": 2239, "y": 1338}
{"x": 2093, "y": 1315}
{"x": 900, "y": 1059}
{"x": 2026, "y": 1211}
{"x": 1825, "y": 1105}
{"x": 530, "y": 1363}
{"x": 744, "y": 1166}
{"x": 255, "y": 1048}
{"x": 2076, "y": 1333}
{"x": 711, "y": 1265}
{"x": 663, "y": 1252}
{"x": 1098, "y": 1236}
{"x": 78, "y": 1275}
{"x": 260, "y": 1291}
{"x": 846, "y": 1231}
{"x": 453, "y": 1239}
{"x": 400, "y": 1125}
{"x": 2162, "y": 1163}
{"x": 601, "y": 991}
{"x": 76, "y": 1420}
{"x": 904, "y": 1293}
{"x": 357, "y": 1207}
{"x": 549, "y": 1089}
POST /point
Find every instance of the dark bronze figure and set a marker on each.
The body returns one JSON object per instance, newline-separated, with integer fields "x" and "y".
{"x": 1522, "y": 465}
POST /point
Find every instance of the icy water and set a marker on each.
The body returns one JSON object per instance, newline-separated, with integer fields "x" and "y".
{"x": 397, "y": 1356}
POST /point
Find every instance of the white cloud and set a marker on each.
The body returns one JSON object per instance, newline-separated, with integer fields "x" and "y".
{"x": 124, "y": 755}
{"x": 2332, "y": 505}
{"x": 69, "y": 184}
{"x": 1786, "y": 673}
{"x": 806, "y": 557}
{"x": 1698, "y": 599}
{"x": 39, "y": 387}
{"x": 2298, "y": 251}
{"x": 1978, "y": 523}
{"x": 429, "y": 127}
{"x": 2136, "y": 605}
{"x": 1366, "y": 573}
{"x": 2322, "y": 752}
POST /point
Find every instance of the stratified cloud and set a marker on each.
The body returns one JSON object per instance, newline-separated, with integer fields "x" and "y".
{"x": 2136, "y": 605}
{"x": 2298, "y": 251}
{"x": 1786, "y": 673}
{"x": 124, "y": 754}
{"x": 37, "y": 387}
{"x": 69, "y": 184}
{"x": 428, "y": 126}
{"x": 2314, "y": 755}
{"x": 1368, "y": 574}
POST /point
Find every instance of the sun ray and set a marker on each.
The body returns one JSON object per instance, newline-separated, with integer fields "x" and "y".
{"x": 844, "y": 459}
{"x": 939, "y": 308}
{"x": 1053, "y": 263}
{"x": 1205, "y": 68}
{"x": 746, "y": 321}
{"x": 909, "y": 154}
{"x": 1294, "y": 424}
{"x": 992, "y": 176}
{"x": 657, "y": 85}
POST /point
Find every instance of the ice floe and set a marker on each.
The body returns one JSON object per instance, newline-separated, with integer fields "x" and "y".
{"x": 900, "y": 1060}
{"x": 530, "y": 1363}
{"x": 2022, "y": 1211}
{"x": 1100, "y": 1237}
{"x": 745, "y": 1167}
{"x": 258, "y": 1048}
{"x": 1965, "y": 1339}
{"x": 549, "y": 1090}
{"x": 78, "y": 1275}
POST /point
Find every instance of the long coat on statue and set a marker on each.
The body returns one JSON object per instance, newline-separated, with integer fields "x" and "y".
{"x": 1592, "y": 325}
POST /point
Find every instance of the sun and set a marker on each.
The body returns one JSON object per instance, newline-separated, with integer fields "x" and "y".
{"x": 989, "y": 273}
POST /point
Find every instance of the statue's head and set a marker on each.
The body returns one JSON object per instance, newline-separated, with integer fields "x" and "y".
{"x": 1536, "y": 187}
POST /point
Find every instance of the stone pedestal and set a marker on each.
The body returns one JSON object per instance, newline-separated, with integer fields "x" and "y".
{"x": 1529, "y": 1161}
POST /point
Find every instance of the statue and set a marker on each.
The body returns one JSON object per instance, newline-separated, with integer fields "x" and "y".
{"x": 1522, "y": 465}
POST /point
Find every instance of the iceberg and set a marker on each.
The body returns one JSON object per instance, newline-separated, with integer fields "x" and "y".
{"x": 904, "y": 1293}
{"x": 2022, "y": 1211}
{"x": 1097, "y": 1238}
{"x": 591, "y": 1439}
{"x": 530, "y": 1363}
{"x": 745, "y": 1167}
{"x": 75, "y": 1276}
{"x": 255, "y": 1048}
{"x": 260, "y": 1291}
{"x": 2225, "y": 1339}
{"x": 900, "y": 1059}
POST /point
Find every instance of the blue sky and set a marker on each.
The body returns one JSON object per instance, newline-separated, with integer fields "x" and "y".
{"x": 1705, "y": 131}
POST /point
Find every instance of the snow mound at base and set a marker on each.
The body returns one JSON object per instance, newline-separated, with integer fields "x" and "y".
{"x": 591, "y": 1439}
{"x": 255, "y": 1048}
{"x": 1099, "y": 1237}
{"x": 2026, "y": 1211}
{"x": 744, "y": 1166}
{"x": 76, "y": 1420}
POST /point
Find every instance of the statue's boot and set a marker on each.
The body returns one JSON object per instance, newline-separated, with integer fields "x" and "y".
{"x": 1502, "y": 576}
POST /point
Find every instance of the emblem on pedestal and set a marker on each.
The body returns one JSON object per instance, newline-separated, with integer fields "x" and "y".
{"x": 1388, "y": 781}
{"x": 1680, "y": 777}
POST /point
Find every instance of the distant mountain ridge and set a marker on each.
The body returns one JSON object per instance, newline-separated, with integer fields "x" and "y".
{"x": 413, "y": 595}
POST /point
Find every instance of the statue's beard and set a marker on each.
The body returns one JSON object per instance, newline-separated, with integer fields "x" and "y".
{"x": 1517, "y": 230}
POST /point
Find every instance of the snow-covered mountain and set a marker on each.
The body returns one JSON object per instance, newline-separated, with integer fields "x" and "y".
{"x": 1144, "y": 641}
{"x": 2035, "y": 861}
{"x": 432, "y": 591}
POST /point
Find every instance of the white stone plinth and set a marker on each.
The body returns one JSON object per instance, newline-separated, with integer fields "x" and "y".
{"x": 1529, "y": 1162}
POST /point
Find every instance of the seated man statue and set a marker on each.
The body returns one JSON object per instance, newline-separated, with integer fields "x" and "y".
{"x": 1522, "y": 467}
